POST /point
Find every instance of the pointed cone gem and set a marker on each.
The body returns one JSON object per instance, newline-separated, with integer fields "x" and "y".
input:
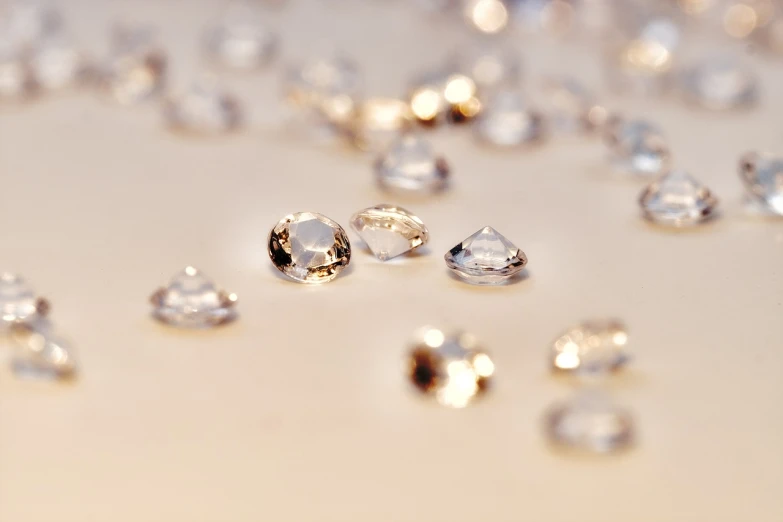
{"x": 389, "y": 231}
{"x": 41, "y": 355}
{"x": 191, "y": 300}
{"x": 591, "y": 348}
{"x": 204, "y": 109}
{"x": 18, "y": 302}
{"x": 763, "y": 178}
{"x": 508, "y": 121}
{"x": 677, "y": 200}
{"x": 486, "y": 258}
{"x": 410, "y": 166}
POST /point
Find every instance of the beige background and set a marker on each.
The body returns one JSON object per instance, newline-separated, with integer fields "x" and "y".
{"x": 299, "y": 411}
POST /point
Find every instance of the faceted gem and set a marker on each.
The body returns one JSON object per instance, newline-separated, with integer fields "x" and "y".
{"x": 507, "y": 121}
{"x": 636, "y": 147}
{"x": 389, "y": 231}
{"x": 570, "y": 107}
{"x": 591, "y": 347}
{"x": 410, "y": 165}
{"x": 763, "y": 178}
{"x": 191, "y": 300}
{"x": 677, "y": 200}
{"x": 56, "y": 64}
{"x": 589, "y": 422}
{"x": 41, "y": 355}
{"x": 378, "y": 122}
{"x": 18, "y": 302}
{"x": 204, "y": 109}
{"x": 309, "y": 247}
{"x": 240, "y": 40}
{"x": 719, "y": 83}
{"x": 489, "y": 64}
{"x": 486, "y": 258}
{"x": 451, "y": 367}
{"x": 136, "y": 69}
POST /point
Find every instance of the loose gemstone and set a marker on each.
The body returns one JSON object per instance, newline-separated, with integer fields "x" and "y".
{"x": 636, "y": 147}
{"x": 204, "y": 109}
{"x": 136, "y": 68}
{"x": 378, "y": 122}
{"x": 677, "y": 200}
{"x": 389, "y": 231}
{"x": 191, "y": 300}
{"x": 40, "y": 354}
{"x": 719, "y": 83}
{"x": 589, "y": 422}
{"x": 486, "y": 258}
{"x": 453, "y": 368}
{"x": 591, "y": 347}
{"x": 508, "y": 121}
{"x": 490, "y": 65}
{"x": 762, "y": 175}
{"x": 309, "y": 247}
{"x": 56, "y": 63}
{"x": 240, "y": 40}
{"x": 18, "y": 302}
{"x": 570, "y": 107}
{"x": 410, "y": 165}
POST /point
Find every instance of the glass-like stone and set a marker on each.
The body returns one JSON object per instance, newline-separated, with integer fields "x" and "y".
{"x": 389, "y": 231}
{"x": 719, "y": 83}
{"x": 453, "y": 368}
{"x": 410, "y": 165}
{"x": 18, "y": 301}
{"x": 762, "y": 175}
{"x": 589, "y": 422}
{"x": 552, "y": 16}
{"x": 490, "y": 64}
{"x": 136, "y": 68}
{"x": 508, "y": 121}
{"x": 39, "y": 354}
{"x": 379, "y": 122}
{"x": 192, "y": 300}
{"x": 636, "y": 147}
{"x": 570, "y": 107}
{"x": 27, "y": 22}
{"x": 56, "y": 64}
{"x": 204, "y": 109}
{"x": 594, "y": 347}
{"x": 677, "y": 200}
{"x": 486, "y": 258}
{"x": 309, "y": 247}
{"x": 240, "y": 39}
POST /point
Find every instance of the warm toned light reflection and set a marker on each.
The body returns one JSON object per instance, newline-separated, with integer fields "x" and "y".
{"x": 646, "y": 55}
{"x": 489, "y": 16}
{"x": 433, "y": 338}
{"x": 337, "y": 109}
{"x": 596, "y": 346}
{"x": 459, "y": 89}
{"x": 694, "y": 7}
{"x": 483, "y": 365}
{"x": 378, "y": 121}
{"x": 740, "y": 20}
{"x": 426, "y": 103}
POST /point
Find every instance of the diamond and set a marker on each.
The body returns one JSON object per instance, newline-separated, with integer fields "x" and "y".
{"x": 486, "y": 258}
{"x": 16, "y": 79}
{"x": 136, "y": 69}
{"x": 191, "y": 300}
{"x": 378, "y": 122}
{"x": 570, "y": 107}
{"x": 240, "y": 40}
{"x": 30, "y": 21}
{"x": 41, "y": 355}
{"x": 636, "y": 147}
{"x": 18, "y": 302}
{"x": 589, "y": 422}
{"x": 410, "y": 165}
{"x": 763, "y": 178}
{"x": 592, "y": 347}
{"x": 204, "y": 109}
{"x": 677, "y": 200}
{"x": 57, "y": 64}
{"x": 309, "y": 247}
{"x": 507, "y": 121}
{"x": 389, "y": 231}
{"x": 443, "y": 96}
{"x": 719, "y": 83}
{"x": 451, "y": 367}
{"x": 489, "y": 64}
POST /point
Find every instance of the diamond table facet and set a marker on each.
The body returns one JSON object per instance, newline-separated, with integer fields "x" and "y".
{"x": 677, "y": 200}
{"x": 18, "y": 302}
{"x": 389, "y": 231}
{"x": 594, "y": 347}
{"x": 486, "y": 258}
{"x": 762, "y": 175}
{"x": 410, "y": 166}
{"x": 192, "y": 300}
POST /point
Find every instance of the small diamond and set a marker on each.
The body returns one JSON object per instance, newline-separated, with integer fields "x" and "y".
{"x": 378, "y": 122}
{"x": 18, "y": 302}
{"x": 57, "y": 64}
{"x": 636, "y": 147}
{"x": 677, "y": 199}
{"x": 589, "y": 422}
{"x": 389, "y": 231}
{"x": 720, "y": 83}
{"x": 453, "y": 368}
{"x": 136, "y": 69}
{"x": 204, "y": 109}
{"x": 40, "y": 355}
{"x": 240, "y": 40}
{"x": 570, "y": 107}
{"x": 591, "y": 347}
{"x": 191, "y": 300}
{"x": 486, "y": 258}
{"x": 309, "y": 247}
{"x": 411, "y": 166}
{"x": 490, "y": 65}
{"x": 763, "y": 178}
{"x": 507, "y": 121}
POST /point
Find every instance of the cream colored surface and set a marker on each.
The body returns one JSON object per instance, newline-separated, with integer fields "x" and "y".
{"x": 299, "y": 411}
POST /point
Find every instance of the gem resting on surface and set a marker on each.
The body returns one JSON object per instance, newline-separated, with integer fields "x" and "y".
{"x": 240, "y": 39}
{"x": 508, "y": 121}
{"x": 204, "y": 109}
{"x": 389, "y": 231}
{"x": 136, "y": 68}
{"x": 309, "y": 247}
{"x": 591, "y": 347}
{"x": 18, "y": 302}
{"x": 719, "y": 83}
{"x": 636, "y": 147}
{"x": 40, "y": 354}
{"x": 453, "y": 368}
{"x": 378, "y": 122}
{"x": 410, "y": 166}
{"x": 486, "y": 258}
{"x": 191, "y": 300}
{"x": 677, "y": 199}
{"x": 762, "y": 175}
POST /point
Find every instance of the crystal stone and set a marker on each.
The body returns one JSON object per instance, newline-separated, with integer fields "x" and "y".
{"x": 636, "y": 147}
{"x": 40, "y": 354}
{"x": 451, "y": 367}
{"x": 56, "y": 63}
{"x": 240, "y": 39}
{"x": 204, "y": 109}
{"x": 589, "y": 422}
{"x": 309, "y": 247}
{"x": 719, "y": 83}
{"x": 136, "y": 68}
{"x": 18, "y": 302}
{"x": 410, "y": 165}
{"x": 508, "y": 121}
{"x": 762, "y": 175}
{"x": 677, "y": 200}
{"x": 491, "y": 65}
{"x": 27, "y": 22}
{"x": 17, "y": 81}
{"x": 591, "y": 347}
{"x": 486, "y": 258}
{"x": 570, "y": 107}
{"x": 378, "y": 122}
{"x": 191, "y": 300}
{"x": 389, "y": 231}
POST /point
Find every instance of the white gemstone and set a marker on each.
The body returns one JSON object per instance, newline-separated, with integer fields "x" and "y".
{"x": 508, "y": 121}
{"x": 241, "y": 40}
{"x": 763, "y": 178}
{"x": 491, "y": 65}
{"x": 719, "y": 83}
{"x": 18, "y": 302}
{"x": 677, "y": 200}
{"x": 136, "y": 68}
{"x": 486, "y": 258}
{"x": 389, "y": 231}
{"x": 591, "y": 347}
{"x": 410, "y": 165}
{"x": 204, "y": 109}
{"x": 57, "y": 64}
{"x": 589, "y": 422}
{"x": 378, "y": 122}
{"x": 636, "y": 147}
{"x": 192, "y": 300}
{"x": 39, "y": 354}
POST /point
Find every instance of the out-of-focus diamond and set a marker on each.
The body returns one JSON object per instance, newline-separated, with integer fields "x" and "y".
{"x": 241, "y": 39}
{"x": 508, "y": 121}
{"x": 441, "y": 96}
{"x": 589, "y": 422}
{"x": 378, "y": 122}
{"x": 18, "y": 302}
{"x": 636, "y": 147}
{"x": 39, "y": 354}
{"x": 677, "y": 200}
{"x": 488, "y": 16}
{"x": 719, "y": 83}
{"x": 591, "y": 347}
{"x": 136, "y": 68}
{"x": 410, "y": 165}
{"x": 203, "y": 109}
{"x": 56, "y": 63}
{"x": 762, "y": 175}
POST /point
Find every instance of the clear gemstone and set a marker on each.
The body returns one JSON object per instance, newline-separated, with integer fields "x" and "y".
{"x": 18, "y": 302}
{"x": 589, "y": 422}
{"x": 16, "y": 79}
{"x": 389, "y": 231}
{"x": 136, "y": 69}
{"x": 677, "y": 199}
{"x": 191, "y": 300}
{"x": 508, "y": 121}
{"x": 569, "y": 106}
{"x": 451, "y": 367}
{"x": 720, "y": 83}
{"x": 379, "y": 122}
{"x": 592, "y": 347}
{"x": 763, "y": 178}
{"x": 490, "y": 65}
{"x": 309, "y": 247}
{"x": 410, "y": 165}
{"x": 28, "y": 22}
{"x": 204, "y": 109}
{"x": 57, "y": 64}
{"x": 486, "y": 258}
{"x": 240, "y": 40}
{"x": 636, "y": 147}
{"x": 41, "y": 355}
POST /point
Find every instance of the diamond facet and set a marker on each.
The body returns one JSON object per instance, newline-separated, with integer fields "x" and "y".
{"x": 18, "y": 302}
{"x": 719, "y": 83}
{"x": 451, "y": 367}
{"x": 204, "y": 109}
{"x": 389, "y": 231}
{"x": 763, "y": 178}
{"x": 240, "y": 40}
{"x": 378, "y": 122}
{"x": 591, "y": 347}
{"x": 136, "y": 69}
{"x": 309, "y": 247}
{"x": 191, "y": 300}
{"x": 410, "y": 165}
{"x": 486, "y": 258}
{"x": 677, "y": 200}
{"x": 41, "y": 355}
{"x": 507, "y": 121}
{"x": 636, "y": 147}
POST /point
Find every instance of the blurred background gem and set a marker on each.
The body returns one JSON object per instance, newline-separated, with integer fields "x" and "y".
{"x": 719, "y": 82}
{"x": 26, "y": 22}
{"x": 191, "y": 300}
{"x": 56, "y": 63}
{"x": 378, "y": 122}
{"x": 677, "y": 200}
{"x": 18, "y": 301}
{"x": 508, "y": 121}
{"x": 205, "y": 108}
{"x": 489, "y": 63}
{"x": 486, "y": 16}
{"x": 40, "y": 354}
{"x": 762, "y": 174}
{"x": 569, "y": 106}
{"x": 636, "y": 147}
{"x": 17, "y": 81}
{"x": 136, "y": 68}
{"x": 409, "y": 165}
{"x": 241, "y": 38}
{"x": 594, "y": 347}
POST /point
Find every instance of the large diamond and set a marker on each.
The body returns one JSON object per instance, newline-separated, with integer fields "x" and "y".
{"x": 591, "y": 347}
{"x": 136, "y": 69}
{"x": 18, "y": 302}
{"x": 204, "y": 109}
{"x": 411, "y": 166}
{"x": 719, "y": 83}
{"x": 486, "y": 258}
{"x": 508, "y": 121}
{"x": 763, "y": 178}
{"x": 451, "y": 367}
{"x": 191, "y": 300}
{"x": 677, "y": 199}
{"x": 309, "y": 247}
{"x": 240, "y": 40}
{"x": 389, "y": 231}
{"x": 40, "y": 354}
{"x": 636, "y": 147}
